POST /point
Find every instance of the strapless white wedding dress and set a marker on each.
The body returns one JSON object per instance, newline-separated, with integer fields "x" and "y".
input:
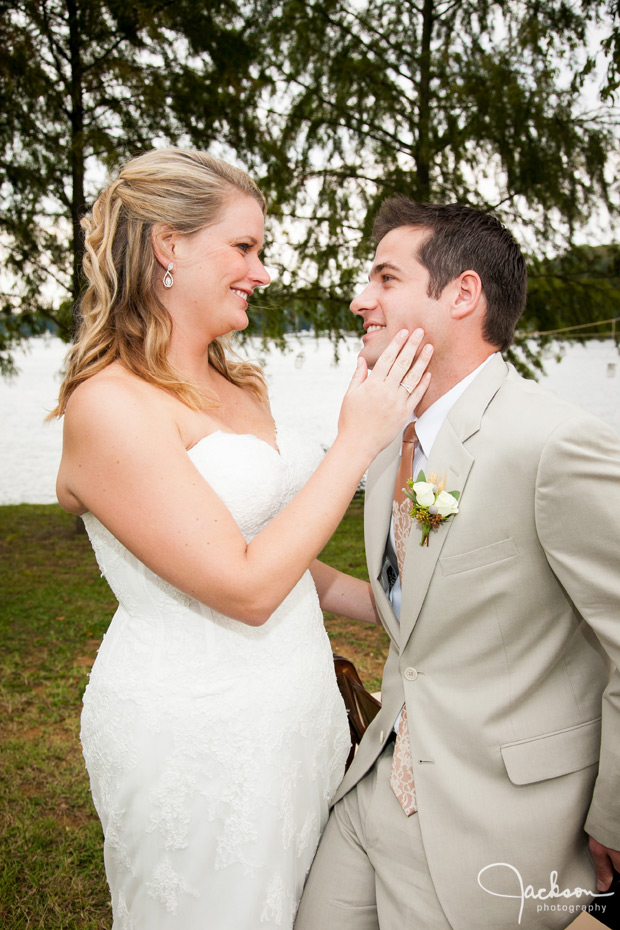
{"x": 213, "y": 748}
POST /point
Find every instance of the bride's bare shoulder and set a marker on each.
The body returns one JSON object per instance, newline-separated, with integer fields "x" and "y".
{"x": 112, "y": 388}
{"x": 115, "y": 406}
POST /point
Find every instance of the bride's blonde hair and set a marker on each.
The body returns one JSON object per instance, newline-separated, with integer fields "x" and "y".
{"x": 121, "y": 317}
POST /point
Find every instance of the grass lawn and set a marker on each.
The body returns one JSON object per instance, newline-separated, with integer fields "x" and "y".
{"x": 53, "y": 613}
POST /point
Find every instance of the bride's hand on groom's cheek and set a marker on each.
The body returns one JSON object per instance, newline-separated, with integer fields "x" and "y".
{"x": 379, "y": 403}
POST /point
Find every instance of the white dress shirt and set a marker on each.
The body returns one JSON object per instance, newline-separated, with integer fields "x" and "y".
{"x": 427, "y": 430}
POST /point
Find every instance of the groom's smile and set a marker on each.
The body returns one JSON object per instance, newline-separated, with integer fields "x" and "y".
{"x": 396, "y": 296}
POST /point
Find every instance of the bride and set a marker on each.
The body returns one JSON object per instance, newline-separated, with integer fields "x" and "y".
{"x": 213, "y": 730}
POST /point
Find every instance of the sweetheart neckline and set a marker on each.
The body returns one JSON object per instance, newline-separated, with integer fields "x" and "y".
{"x": 224, "y": 432}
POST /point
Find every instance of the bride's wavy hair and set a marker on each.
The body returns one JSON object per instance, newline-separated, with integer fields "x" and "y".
{"x": 121, "y": 316}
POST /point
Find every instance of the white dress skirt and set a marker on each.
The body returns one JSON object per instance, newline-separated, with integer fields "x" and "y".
{"x": 213, "y": 748}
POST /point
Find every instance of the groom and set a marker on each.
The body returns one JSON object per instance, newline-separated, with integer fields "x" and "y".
{"x": 486, "y": 793}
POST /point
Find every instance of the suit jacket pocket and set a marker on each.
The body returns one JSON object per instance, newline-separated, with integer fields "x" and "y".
{"x": 553, "y": 754}
{"x": 477, "y": 558}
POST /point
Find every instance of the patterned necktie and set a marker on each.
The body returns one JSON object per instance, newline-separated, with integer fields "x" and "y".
{"x": 401, "y": 776}
{"x": 401, "y": 505}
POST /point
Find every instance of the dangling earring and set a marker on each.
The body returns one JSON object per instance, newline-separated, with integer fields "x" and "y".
{"x": 168, "y": 279}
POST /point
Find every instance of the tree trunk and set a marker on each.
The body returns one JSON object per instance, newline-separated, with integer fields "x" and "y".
{"x": 422, "y": 153}
{"x": 78, "y": 199}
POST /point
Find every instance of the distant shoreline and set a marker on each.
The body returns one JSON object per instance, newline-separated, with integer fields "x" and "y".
{"x": 306, "y": 388}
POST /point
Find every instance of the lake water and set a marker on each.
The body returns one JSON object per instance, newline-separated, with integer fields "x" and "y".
{"x": 306, "y": 387}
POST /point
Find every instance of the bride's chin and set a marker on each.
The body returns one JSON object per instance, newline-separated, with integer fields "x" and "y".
{"x": 237, "y": 328}
{"x": 242, "y": 326}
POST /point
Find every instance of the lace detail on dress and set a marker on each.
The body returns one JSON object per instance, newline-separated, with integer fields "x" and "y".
{"x": 277, "y": 901}
{"x": 122, "y": 916}
{"x": 167, "y": 885}
{"x": 213, "y": 747}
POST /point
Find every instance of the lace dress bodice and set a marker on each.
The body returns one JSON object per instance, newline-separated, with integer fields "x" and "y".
{"x": 213, "y": 747}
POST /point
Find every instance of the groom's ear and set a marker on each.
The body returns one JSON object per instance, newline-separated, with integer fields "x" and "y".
{"x": 466, "y": 295}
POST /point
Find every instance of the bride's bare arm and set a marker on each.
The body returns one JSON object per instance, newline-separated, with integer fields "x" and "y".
{"x": 127, "y": 466}
{"x": 343, "y": 594}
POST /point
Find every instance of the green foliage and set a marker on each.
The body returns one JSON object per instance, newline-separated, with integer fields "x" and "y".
{"x": 575, "y": 295}
{"x": 331, "y": 104}
{"x": 577, "y": 292}
{"x": 480, "y": 101}
{"x": 86, "y": 85}
{"x": 611, "y": 48}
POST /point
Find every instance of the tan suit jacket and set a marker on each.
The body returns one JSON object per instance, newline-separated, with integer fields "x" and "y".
{"x": 510, "y": 624}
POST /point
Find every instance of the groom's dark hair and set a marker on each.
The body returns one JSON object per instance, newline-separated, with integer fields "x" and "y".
{"x": 462, "y": 238}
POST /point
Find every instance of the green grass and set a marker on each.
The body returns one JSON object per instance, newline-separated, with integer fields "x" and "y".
{"x": 54, "y": 610}
{"x": 364, "y": 644}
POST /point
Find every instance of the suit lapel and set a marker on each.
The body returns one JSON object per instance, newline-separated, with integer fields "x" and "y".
{"x": 448, "y": 456}
{"x": 377, "y": 516}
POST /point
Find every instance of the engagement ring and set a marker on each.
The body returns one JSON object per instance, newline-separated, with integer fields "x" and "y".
{"x": 408, "y": 389}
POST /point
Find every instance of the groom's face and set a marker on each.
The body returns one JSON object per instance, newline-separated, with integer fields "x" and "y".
{"x": 396, "y": 296}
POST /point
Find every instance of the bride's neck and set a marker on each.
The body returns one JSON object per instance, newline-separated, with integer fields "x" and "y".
{"x": 192, "y": 364}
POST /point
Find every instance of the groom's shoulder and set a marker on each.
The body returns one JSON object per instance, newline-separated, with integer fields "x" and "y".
{"x": 529, "y": 396}
{"x": 539, "y": 409}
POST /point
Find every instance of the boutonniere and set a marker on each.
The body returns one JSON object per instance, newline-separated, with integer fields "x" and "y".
{"x": 431, "y": 504}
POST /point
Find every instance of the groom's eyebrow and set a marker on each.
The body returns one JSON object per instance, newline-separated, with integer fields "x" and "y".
{"x": 383, "y": 266}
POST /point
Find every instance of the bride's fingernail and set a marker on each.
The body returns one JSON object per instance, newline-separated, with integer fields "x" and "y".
{"x": 418, "y": 333}
{"x": 403, "y": 334}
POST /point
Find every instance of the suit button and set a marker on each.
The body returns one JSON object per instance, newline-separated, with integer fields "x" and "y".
{"x": 411, "y": 674}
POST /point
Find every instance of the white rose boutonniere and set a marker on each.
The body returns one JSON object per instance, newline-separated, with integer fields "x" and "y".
{"x": 431, "y": 504}
{"x": 424, "y": 492}
{"x": 446, "y": 503}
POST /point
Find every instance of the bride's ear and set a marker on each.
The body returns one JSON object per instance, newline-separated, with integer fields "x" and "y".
{"x": 164, "y": 240}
